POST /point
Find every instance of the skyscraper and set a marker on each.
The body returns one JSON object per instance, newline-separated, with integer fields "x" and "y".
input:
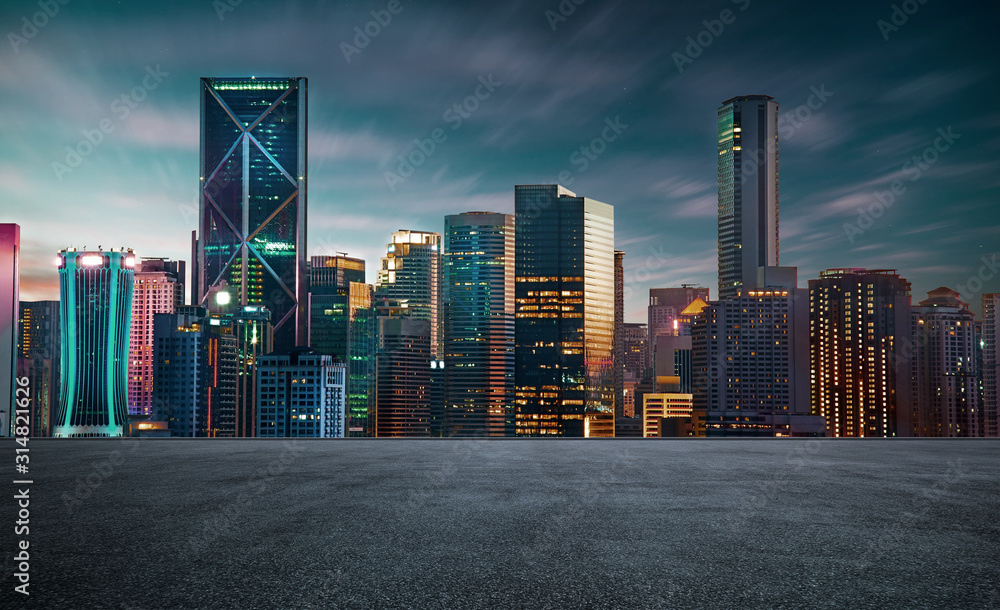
{"x": 991, "y": 364}
{"x": 411, "y": 274}
{"x": 403, "y": 377}
{"x": 564, "y": 308}
{"x": 748, "y": 191}
{"x": 343, "y": 324}
{"x": 751, "y": 360}
{"x": 251, "y": 327}
{"x": 619, "y": 334}
{"x": 253, "y": 198}
{"x": 95, "y": 297}
{"x": 10, "y": 251}
{"x": 159, "y": 288}
{"x": 38, "y": 352}
{"x": 479, "y": 324}
{"x": 301, "y": 394}
{"x": 861, "y": 351}
{"x": 946, "y": 380}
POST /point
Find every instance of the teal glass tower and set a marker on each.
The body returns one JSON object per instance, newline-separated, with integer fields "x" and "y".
{"x": 252, "y": 240}
{"x": 95, "y": 302}
{"x": 564, "y": 313}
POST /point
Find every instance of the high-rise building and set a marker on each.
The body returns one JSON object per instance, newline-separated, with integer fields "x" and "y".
{"x": 564, "y": 308}
{"x": 403, "y": 376}
{"x": 10, "y": 252}
{"x": 666, "y": 310}
{"x": 301, "y": 394}
{"x": 38, "y": 360}
{"x": 636, "y": 354}
{"x": 196, "y": 378}
{"x": 861, "y": 351}
{"x": 751, "y": 360}
{"x": 748, "y": 191}
{"x": 411, "y": 274}
{"x": 479, "y": 324}
{"x": 251, "y": 326}
{"x": 253, "y": 198}
{"x": 619, "y": 334}
{"x": 158, "y": 288}
{"x": 332, "y": 274}
{"x": 990, "y": 343}
{"x": 95, "y": 313}
{"x": 945, "y": 377}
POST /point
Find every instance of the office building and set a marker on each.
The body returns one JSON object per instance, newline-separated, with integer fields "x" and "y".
{"x": 301, "y": 394}
{"x": 38, "y": 360}
{"x": 252, "y": 224}
{"x": 667, "y": 414}
{"x": 158, "y": 288}
{"x": 328, "y": 274}
{"x": 945, "y": 377}
{"x": 748, "y": 191}
{"x": 619, "y": 334}
{"x": 990, "y": 345}
{"x": 861, "y": 352}
{"x": 403, "y": 376}
{"x": 479, "y": 324}
{"x": 564, "y": 308}
{"x": 254, "y": 334}
{"x": 411, "y": 274}
{"x": 95, "y": 313}
{"x": 10, "y": 252}
{"x": 750, "y": 355}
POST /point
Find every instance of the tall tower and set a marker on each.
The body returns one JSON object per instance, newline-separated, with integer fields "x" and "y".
{"x": 411, "y": 274}
{"x": 990, "y": 420}
{"x": 748, "y": 191}
{"x": 564, "y": 305}
{"x": 95, "y": 296}
{"x": 619, "y": 334}
{"x": 38, "y": 353}
{"x": 158, "y": 288}
{"x": 253, "y": 198}
{"x": 861, "y": 350}
{"x": 479, "y": 324}
{"x": 10, "y": 250}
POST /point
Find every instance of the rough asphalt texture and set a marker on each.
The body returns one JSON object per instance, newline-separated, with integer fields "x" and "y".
{"x": 168, "y": 523}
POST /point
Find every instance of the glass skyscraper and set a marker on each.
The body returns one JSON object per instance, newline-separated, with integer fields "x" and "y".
{"x": 564, "y": 309}
{"x": 479, "y": 324}
{"x": 748, "y": 191}
{"x": 95, "y": 297}
{"x": 411, "y": 274}
{"x": 253, "y": 198}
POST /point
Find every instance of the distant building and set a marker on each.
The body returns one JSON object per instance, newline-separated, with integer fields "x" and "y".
{"x": 751, "y": 360}
{"x": 945, "y": 377}
{"x": 95, "y": 296}
{"x": 10, "y": 251}
{"x": 254, "y": 334}
{"x": 748, "y": 191}
{"x": 667, "y": 406}
{"x": 990, "y": 424}
{"x": 330, "y": 274}
{"x": 478, "y": 325}
{"x": 158, "y": 288}
{"x": 38, "y": 360}
{"x": 619, "y": 336}
{"x": 673, "y": 358}
{"x": 301, "y": 393}
{"x": 403, "y": 377}
{"x": 666, "y": 310}
{"x": 564, "y": 290}
{"x": 252, "y": 222}
{"x": 411, "y": 274}
{"x": 861, "y": 352}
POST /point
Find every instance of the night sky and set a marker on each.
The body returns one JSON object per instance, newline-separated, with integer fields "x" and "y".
{"x": 855, "y": 109}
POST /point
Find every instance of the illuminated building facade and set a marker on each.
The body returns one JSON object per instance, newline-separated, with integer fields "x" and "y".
{"x": 619, "y": 334}
{"x": 666, "y": 310}
{"x": 38, "y": 360}
{"x": 411, "y": 273}
{"x": 343, "y": 323}
{"x": 990, "y": 344}
{"x": 301, "y": 394}
{"x": 945, "y": 374}
{"x": 196, "y": 380}
{"x": 479, "y": 324}
{"x": 564, "y": 309}
{"x": 251, "y": 326}
{"x": 861, "y": 352}
{"x": 253, "y": 198}
{"x": 403, "y": 377}
{"x": 10, "y": 251}
{"x": 750, "y": 357}
{"x": 95, "y": 313}
{"x": 658, "y": 407}
{"x": 158, "y": 288}
{"x": 748, "y": 191}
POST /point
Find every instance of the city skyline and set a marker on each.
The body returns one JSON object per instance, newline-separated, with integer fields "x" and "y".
{"x": 848, "y": 126}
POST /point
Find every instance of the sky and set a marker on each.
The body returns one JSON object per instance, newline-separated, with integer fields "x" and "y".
{"x": 863, "y": 88}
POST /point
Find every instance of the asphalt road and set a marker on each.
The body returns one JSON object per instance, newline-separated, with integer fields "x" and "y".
{"x": 168, "y": 523}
